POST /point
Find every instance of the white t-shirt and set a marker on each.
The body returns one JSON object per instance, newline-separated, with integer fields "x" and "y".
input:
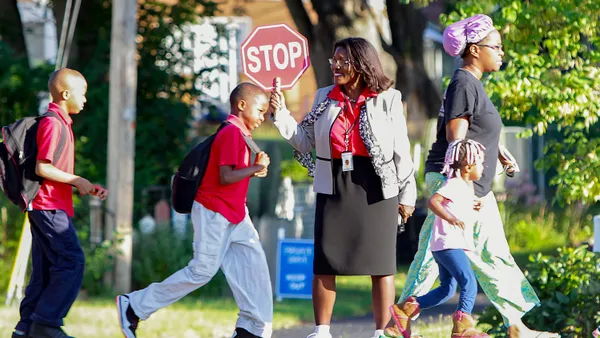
{"x": 458, "y": 201}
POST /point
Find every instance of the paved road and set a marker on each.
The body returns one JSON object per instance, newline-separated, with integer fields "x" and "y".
{"x": 363, "y": 327}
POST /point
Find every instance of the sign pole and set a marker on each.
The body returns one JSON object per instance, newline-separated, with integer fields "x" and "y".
{"x": 280, "y": 237}
{"x": 19, "y": 270}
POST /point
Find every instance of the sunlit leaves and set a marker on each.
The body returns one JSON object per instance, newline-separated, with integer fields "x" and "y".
{"x": 550, "y": 81}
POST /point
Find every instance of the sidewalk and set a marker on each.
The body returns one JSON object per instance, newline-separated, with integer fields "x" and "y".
{"x": 363, "y": 327}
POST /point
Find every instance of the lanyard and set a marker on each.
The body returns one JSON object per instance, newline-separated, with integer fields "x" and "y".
{"x": 347, "y": 131}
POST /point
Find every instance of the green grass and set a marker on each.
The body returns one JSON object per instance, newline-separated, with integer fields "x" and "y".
{"x": 195, "y": 317}
{"x": 439, "y": 327}
{"x": 188, "y": 319}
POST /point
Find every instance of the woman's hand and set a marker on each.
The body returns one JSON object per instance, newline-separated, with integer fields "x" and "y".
{"x": 277, "y": 101}
{"x": 477, "y": 204}
{"x": 405, "y": 211}
{"x": 509, "y": 163}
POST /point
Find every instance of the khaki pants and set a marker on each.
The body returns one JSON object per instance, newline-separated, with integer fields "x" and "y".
{"x": 236, "y": 249}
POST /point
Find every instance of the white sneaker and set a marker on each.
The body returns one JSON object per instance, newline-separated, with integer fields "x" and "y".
{"x": 127, "y": 318}
{"x": 316, "y": 335}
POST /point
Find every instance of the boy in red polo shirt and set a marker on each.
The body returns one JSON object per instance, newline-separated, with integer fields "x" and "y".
{"x": 224, "y": 236}
{"x": 57, "y": 257}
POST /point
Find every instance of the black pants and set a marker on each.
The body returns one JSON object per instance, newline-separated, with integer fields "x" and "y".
{"x": 58, "y": 264}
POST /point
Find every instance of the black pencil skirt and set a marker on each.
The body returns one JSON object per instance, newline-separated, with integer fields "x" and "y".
{"x": 355, "y": 228}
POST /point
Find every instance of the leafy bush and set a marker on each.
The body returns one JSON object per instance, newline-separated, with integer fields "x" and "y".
{"x": 5, "y": 271}
{"x": 532, "y": 224}
{"x": 293, "y": 169}
{"x": 97, "y": 257}
{"x": 158, "y": 255}
{"x": 98, "y": 261}
{"x": 568, "y": 285}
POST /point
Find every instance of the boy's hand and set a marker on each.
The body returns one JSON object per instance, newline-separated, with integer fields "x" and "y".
{"x": 262, "y": 159}
{"x": 100, "y": 192}
{"x": 262, "y": 173}
{"x": 83, "y": 186}
{"x": 456, "y": 222}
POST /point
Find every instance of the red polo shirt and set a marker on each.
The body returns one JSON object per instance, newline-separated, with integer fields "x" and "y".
{"x": 347, "y": 120}
{"x": 228, "y": 149}
{"x": 55, "y": 195}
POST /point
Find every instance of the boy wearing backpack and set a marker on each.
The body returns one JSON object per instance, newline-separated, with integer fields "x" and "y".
{"x": 57, "y": 257}
{"x": 224, "y": 236}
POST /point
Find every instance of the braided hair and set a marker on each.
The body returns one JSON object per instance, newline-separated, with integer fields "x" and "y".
{"x": 460, "y": 153}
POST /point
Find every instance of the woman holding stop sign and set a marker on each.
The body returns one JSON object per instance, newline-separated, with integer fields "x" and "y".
{"x": 363, "y": 176}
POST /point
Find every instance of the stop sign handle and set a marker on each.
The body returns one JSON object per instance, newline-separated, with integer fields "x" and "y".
{"x": 277, "y": 84}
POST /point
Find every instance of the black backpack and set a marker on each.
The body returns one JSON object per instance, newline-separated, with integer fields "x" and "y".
{"x": 18, "y": 153}
{"x": 191, "y": 171}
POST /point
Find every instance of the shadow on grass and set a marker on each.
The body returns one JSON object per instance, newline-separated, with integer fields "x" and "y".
{"x": 353, "y": 298}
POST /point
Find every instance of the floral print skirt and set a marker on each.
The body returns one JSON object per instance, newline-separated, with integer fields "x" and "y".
{"x": 499, "y": 276}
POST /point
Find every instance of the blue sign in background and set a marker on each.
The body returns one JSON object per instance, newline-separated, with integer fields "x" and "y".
{"x": 294, "y": 268}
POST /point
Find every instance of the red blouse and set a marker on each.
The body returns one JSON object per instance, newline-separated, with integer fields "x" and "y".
{"x": 347, "y": 121}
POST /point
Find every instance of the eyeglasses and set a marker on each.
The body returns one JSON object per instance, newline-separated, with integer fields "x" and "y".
{"x": 338, "y": 63}
{"x": 496, "y": 48}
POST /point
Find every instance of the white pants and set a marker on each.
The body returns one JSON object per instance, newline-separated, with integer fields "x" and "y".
{"x": 236, "y": 249}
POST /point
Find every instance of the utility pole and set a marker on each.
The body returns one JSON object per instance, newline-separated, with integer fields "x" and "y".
{"x": 121, "y": 138}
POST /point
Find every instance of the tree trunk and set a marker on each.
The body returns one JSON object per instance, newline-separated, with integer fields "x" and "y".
{"x": 337, "y": 19}
{"x": 422, "y": 97}
{"x": 11, "y": 27}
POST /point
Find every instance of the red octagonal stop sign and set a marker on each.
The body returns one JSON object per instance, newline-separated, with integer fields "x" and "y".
{"x": 275, "y": 51}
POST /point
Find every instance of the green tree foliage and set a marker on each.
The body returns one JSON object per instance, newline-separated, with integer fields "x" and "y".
{"x": 551, "y": 80}
{"x": 19, "y": 85}
{"x": 164, "y": 95}
{"x": 164, "y": 103}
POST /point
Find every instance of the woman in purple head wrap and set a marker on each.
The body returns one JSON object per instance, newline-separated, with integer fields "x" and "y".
{"x": 468, "y": 112}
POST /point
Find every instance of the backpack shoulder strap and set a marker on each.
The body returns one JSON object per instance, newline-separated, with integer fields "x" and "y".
{"x": 251, "y": 144}
{"x": 248, "y": 139}
{"x": 63, "y": 136}
{"x": 223, "y": 125}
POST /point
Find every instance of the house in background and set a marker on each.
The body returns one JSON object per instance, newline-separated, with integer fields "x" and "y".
{"x": 39, "y": 26}
{"x": 237, "y": 21}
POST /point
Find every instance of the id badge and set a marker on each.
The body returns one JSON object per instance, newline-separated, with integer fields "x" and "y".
{"x": 347, "y": 161}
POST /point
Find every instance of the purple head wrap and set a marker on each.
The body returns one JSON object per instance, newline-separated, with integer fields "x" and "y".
{"x": 470, "y": 30}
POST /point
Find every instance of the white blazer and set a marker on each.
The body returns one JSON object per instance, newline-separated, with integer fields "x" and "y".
{"x": 383, "y": 130}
